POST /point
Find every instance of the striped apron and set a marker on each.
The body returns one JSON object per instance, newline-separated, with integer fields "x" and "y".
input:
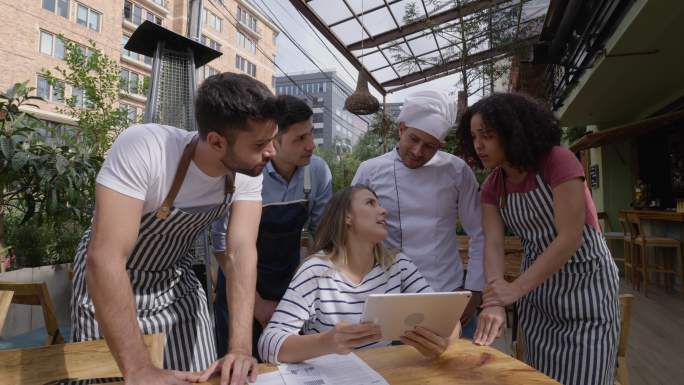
{"x": 569, "y": 323}
{"x": 168, "y": 296}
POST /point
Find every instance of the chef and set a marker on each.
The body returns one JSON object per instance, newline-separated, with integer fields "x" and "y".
{"x": 426, "y": 193}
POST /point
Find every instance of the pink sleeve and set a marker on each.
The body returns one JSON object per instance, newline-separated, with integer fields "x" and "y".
{"x": 490, "y": 191}
{"x": 561, "y": 165}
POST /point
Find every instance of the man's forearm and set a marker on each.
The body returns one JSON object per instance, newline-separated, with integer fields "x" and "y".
{"x": 240, "y": 290}
{"x": 110, "y": 289}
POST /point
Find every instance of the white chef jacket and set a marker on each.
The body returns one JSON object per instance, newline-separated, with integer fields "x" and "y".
{"x": 423, "y": 206}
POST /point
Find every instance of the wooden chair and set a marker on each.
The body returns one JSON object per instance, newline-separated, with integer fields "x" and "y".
{"x": 75, "y": 361}
{"x": 36, "y": 294}
{"x": 5, "y": 302}
{"x": 666, "y": 266}
{"x": 622, "y": 375}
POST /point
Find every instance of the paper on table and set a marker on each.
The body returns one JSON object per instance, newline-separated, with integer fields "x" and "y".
{"x": 272, "y": 378}
{"x": 332, "y": 369}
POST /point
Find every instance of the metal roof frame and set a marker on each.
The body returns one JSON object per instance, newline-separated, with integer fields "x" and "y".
{"x": 434, "y": 58}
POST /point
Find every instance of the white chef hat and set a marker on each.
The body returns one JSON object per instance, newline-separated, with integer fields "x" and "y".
{"x": 432, "y": 112}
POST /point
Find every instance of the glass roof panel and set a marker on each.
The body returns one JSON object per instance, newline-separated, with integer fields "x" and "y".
{"x": 349, "y": 32}
{"x": 384, "y": 74}
{"x": 329, "y": 14}
{"x": 378, "y": 21}
{"x": 358, "y": 5}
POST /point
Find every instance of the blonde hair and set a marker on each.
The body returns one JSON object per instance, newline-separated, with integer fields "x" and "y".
{"x": 332, "y": 235}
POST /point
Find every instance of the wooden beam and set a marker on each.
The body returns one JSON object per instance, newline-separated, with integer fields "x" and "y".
{"x": 310, "y": 15}
{"x": 459, "y": 64}
{"x": 624, "y": 131}
{"x": 426, "y": 23}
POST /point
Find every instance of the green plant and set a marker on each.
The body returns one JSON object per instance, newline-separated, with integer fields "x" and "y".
{"x": 45, "y": 179}
{"x": 98, "y": 77}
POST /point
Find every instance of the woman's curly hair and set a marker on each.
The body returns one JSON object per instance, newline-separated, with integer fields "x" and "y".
{"x": 527, "y": 129}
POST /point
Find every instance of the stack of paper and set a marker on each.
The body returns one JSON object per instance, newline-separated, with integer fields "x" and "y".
{"x": 333, "y": 369}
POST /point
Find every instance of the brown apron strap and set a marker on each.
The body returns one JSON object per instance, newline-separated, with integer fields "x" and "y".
{"x": 165, "y": 209}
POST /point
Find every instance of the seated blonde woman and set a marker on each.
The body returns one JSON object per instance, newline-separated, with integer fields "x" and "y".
{"x": 321, "y": 309}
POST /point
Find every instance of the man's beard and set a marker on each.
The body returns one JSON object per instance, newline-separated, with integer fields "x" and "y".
{"x": 242, "y": 168}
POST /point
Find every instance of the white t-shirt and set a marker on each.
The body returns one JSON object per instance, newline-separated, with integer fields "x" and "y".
{"x": 142, "y": 164}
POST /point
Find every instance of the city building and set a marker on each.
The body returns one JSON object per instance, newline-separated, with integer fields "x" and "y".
{"x": 335, "y": 129}
{"x": 31, "y": 44}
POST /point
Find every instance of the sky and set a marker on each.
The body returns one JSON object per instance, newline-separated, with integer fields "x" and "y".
{"x": 290, "y": 59}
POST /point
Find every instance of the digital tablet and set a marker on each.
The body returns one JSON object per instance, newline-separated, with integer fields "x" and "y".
{"x": 398, "y": 313}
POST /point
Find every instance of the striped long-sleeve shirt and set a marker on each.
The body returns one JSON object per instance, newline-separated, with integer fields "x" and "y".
{"x": 319, "y": 297}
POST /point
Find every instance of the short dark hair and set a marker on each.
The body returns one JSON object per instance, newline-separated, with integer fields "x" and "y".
{"x": 227, "y": 100}
{"x": 528, "y": 129}
{"x": 296, "y": 110}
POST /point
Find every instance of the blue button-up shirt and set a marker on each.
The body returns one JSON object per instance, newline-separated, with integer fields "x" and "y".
{"x": 276, "y": 189}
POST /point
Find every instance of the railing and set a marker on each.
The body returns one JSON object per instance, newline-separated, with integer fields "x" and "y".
{"x": 584, "y": 46}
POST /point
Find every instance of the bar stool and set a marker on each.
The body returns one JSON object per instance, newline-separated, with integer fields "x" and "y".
{"x": 667, "y": 266}
{"x": 624, "y": 236}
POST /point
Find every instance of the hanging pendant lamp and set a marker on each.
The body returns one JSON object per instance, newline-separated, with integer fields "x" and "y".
{"x": 361, "y": 102}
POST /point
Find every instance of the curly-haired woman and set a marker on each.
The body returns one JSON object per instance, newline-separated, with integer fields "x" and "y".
{"x": 567, "y": 292}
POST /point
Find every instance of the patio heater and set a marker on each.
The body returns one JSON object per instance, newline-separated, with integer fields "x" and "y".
{"x": 171, "y": 96}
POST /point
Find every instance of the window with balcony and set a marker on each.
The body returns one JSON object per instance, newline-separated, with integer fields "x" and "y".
{"x": 88, "y": 17}
{"x": 58, "y": 7}
{"x": 245, "y": 66}
{"x": 245, "y": 42}
{"x": 52, "y": 45}
{"x": 246, "y": 18}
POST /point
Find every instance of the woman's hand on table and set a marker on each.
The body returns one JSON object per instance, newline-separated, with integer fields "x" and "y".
{"x": 425, "y": 341}
{"x": 490, "y": 325}
{"x": 343, "y": 337}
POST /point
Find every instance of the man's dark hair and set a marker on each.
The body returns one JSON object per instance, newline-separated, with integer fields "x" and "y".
{"x": 227, "y": 100}
{"x": 528, "y": 130}
{"x": 296, "y": 110}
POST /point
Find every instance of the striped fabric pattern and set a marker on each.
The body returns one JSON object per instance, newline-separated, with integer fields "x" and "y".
{"x": 570, "y": 323}
{"x": 319, "y": 297}
{"x": 168, "y": 297}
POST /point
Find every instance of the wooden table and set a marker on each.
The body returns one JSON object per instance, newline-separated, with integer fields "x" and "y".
{"x": 657, "y": 215}
{"x": 462, "y": 363}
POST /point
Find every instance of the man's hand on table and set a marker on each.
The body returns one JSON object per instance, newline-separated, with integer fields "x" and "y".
{"x": 151, "y": 375}
{"x": 235, "y": 367}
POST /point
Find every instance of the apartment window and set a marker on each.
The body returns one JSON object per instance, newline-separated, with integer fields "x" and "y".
{"x": 154, "y": 18}
{"x": 211, "y": 19}
{"x": 211, "y": 43}
{"x": 132, "y": 82}
{"x": 205, "y": 72}
{"x": 245, "y": 42}
{"x": 133, "y": 12}
{"x": 48, "y": 92}
{"x": 79, "y": 97}
{"x": 159, "y": 2}
{"x": 52, "y": 45}
{"x": 131, "y": 112}
{"x": 273, "y": 82}
{"x": 318, "y": 118}
{"x": 245, "y": 65}
{"x": 58, "y": 7}
{"x": 88, "y": 17}
{"x": 247, "y": 19}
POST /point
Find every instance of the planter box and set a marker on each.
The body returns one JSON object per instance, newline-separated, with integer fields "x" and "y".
{"x": 23, "y": 318}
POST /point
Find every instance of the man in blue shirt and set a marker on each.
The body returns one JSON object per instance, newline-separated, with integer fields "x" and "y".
{"x": 296, "y": 187}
